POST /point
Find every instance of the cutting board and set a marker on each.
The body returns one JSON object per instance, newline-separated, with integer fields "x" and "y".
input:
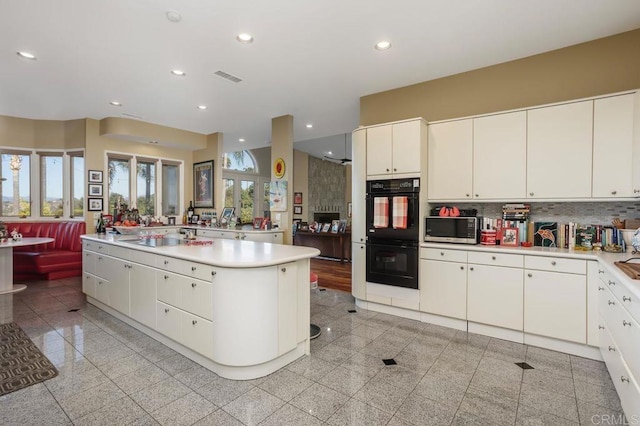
{"x": 631, "y": 269}
{"x": 632, "y": 224}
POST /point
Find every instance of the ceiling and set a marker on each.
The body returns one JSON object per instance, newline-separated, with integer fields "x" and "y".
{"x": 313, "y": 60}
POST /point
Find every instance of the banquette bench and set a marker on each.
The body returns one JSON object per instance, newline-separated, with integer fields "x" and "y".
{"x": 60, "y": 259}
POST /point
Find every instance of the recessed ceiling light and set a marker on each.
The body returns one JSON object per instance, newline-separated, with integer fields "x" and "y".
{"x": 115, "y": 103}
{"x": 383, "y": 45}
{"x": 244, "y": 38}
{"x": 241, "y": 140}
{"x": 202, "y": 107}
{"x": 173, "y": 16}
{"x": 27, "y": 55}
{"x": 154, "y": 142}
{"x": 329, "y": 153}
{"x": 309, "y": 126}
{"x": 179, "y": 73}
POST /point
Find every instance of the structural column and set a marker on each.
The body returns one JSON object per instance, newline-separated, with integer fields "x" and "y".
{"x": 282, "y": 147}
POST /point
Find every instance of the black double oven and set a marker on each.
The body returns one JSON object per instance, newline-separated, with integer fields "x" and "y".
{"x": 393, "y": 217}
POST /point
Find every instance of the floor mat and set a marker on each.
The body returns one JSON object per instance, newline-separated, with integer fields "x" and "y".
{"x": 21, "y": 362}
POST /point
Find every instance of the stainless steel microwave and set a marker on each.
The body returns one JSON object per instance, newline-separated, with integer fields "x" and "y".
{"x": 447, "y": 229}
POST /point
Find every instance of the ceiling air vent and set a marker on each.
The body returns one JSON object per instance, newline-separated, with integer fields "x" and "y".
{"x": 132, "y": 116}
{"x": 228, "y": 76}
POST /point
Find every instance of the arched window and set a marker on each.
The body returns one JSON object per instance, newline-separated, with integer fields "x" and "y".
{"x": 241, "y": 161}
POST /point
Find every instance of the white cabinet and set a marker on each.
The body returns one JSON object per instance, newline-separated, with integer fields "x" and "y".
{"x": 394, "y": 149}
{"x": 103, "y": 291}
{"x": 443, "y": 285}
{"x": 358, "y": 185}
{"x": 262, "y": 237}
{"x": 189, "y": 294}
{"x": 358, "y": 271}
{"x": 613, "y": 145}
{"x": 555, "y": 305}
{"x": 559, "y": 151}
{"x": 142, "y": 286}
{"x": 168, "y": 320}
{"x": 499, "y": 156}
{"x": 89, "y": 283}
{"x": 450, "y": 160}
{"x": 495, "y": 292}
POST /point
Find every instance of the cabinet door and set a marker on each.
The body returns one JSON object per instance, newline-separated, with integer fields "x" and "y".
{"x": 103, "y": 293}
{"x": 197, "y": 334}
{"x": 379, "y": 150}
{"x": 500, "y": 156}
{"x": 168, "y": 321}
{"x": 287, "y": 306}
{"x": 119, "y": 287}
{"x": 450, "y": 160}
{"x": 196, "y": 298}
{"x": 358, "y": 185}
{"x": 168, "y": 285}
{"x": 143, "y": 294}
{"x": 358, "y": 271}
{"x": 89, "y": 283}
{"x": 495, "y": 296}
{"x": 613, "y": 146}
{"x": 89, "y": 260}
{"x": 406, "y": 147}
{"x": 443, "y": 288}
{"x": 555, "y": 305}
{"x": 559, "y": 151}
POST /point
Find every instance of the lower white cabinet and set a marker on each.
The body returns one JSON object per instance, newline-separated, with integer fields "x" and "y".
{"x": 555, "y": 305}
{"x": 190, "y": 330}
{"x": 495, "y": 296}
{"x": 168, "y": 320}
{"x": 89, "y": 283}
{"x": 103, "y": 291}
{"x": 443, "y": 288}
{"x": 358, "y": 271}
{"x": 142, "y": 287}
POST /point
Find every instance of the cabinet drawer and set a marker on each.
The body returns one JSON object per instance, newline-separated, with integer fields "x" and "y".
{"x": 169, "y": 287}
{"x": 96, "y": 246}
{"x": 184, "y": 267}
{"x": 626, "y": 333}
{"x": 623, "y": 378}
{"x": 142, "y": 257}
{"x": 89, "y": 261}
{"x": 496, "y": 259}
{"x": 556, "y": 264}
{"x": 119, "y": 252}
{"x": 622, "y": 293}
{"x": 443, "y": 254}
{"x": 186, "y": 293}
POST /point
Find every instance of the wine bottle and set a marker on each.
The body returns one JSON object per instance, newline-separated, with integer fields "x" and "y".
{"x": 100, "y": 228}
{"x": 190, "y": 211}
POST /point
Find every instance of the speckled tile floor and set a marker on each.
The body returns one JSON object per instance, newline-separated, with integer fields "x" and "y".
{"x": 111, "y": 374}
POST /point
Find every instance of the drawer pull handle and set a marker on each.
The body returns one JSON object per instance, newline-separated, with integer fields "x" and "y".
{"x": 553, "y": 263}
{"x": 99, "y": 247}
{"x": 100, "y": 258}
{"x": 166, "y": 277}
{"x": 612, "y": 282}
{"x": 441, "y": 253}
{"x": 600, "y": 288}
{"x": 471, "y": 269}
{"x": 611, "y": 303}
{"x": 193, "y": 285}
{"x": 600, "y": 271}
{"x": 213, "y": 273}
{"x": 193, "y": 268}
{"x": 612, "y": 349}
{"x": 624, "y": 379}
{"x": 625, "y": 323}
{"x": 166, "y": 262}
{"x": 99, "y": 282}
{"x": 626, "y": 299}
{"x": 284, "y": 269}
{"x": 194, "y": 322}
{"x": 614, "y": 192}
{"x": 600, "y": 327}
{"x": 531, "y": 194}
{"x": 462, "y": 267}
{"x": 166, "y": 310}
{"x": 530, "y": 275}
{"x": 493, "y": 258}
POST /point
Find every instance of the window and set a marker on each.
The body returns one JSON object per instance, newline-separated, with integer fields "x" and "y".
{"x": 229, "y": 185}
{"x": 51, "y": 177}
{"x": 242, "y": 161}
{"x": 170, "y": 189}
{"x": 146, "y": 187}
{"x": 77, "y": 184}
{"x": 118, "y": 181}
{"x": 16, "y": 188}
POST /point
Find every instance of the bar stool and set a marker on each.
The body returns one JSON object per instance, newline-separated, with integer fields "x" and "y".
{"x": 314, "y": 330}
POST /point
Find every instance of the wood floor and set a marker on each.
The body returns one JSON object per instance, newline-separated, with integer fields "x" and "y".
{"x": 332, "y": 274}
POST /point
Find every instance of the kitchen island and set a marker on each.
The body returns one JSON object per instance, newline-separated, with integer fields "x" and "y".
{"x": 239, "y": 308}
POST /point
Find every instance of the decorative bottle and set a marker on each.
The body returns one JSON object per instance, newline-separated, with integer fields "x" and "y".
{"x": 190, "y": 211}
{"x": 100, "y": 228}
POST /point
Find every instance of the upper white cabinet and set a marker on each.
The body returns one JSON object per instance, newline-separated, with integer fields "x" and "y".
{"x": 450, "y": 160}
{"x": 559, "y": 151}
{"x": 614, "y": 147}
{"x": 394, "y": 149}
{"x": 500, "y": 156}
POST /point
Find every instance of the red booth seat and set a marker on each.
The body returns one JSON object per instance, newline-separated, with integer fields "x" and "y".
{"x": 60, "y": 259}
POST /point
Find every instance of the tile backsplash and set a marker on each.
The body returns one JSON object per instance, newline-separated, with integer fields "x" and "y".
{"x": 592, "y": 213}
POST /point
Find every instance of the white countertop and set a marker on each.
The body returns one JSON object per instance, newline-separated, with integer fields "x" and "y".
{"x": 605, "y": 258}
{"x": 26, "y": 241}
{"x": 245, "y": 231}
{"x": 223, "y": 252}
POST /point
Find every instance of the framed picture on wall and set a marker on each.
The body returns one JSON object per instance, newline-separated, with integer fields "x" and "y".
{"x": 297, "y": 209}
{"x": 203, "y": 184}
{"x": 95, "y": 190}
{"x": 95, "y": 176}
{"x": 95, "y": 204}
{"x": 297, "y": 198}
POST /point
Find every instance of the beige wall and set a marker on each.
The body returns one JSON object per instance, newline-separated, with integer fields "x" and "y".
{"x": 301, "y": 182}
{"x": 282, "y": 147}
{"x": 27, "y": 133}
{"x": 602, "y": 66}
